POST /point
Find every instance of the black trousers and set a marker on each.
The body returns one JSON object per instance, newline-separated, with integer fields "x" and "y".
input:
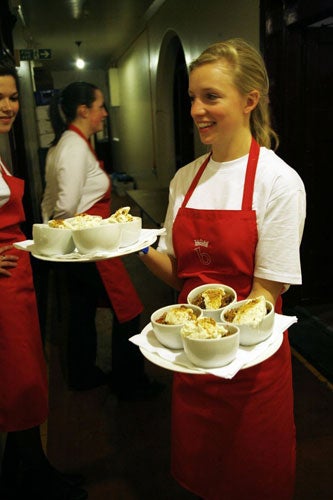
{"x": 85, "y": 293}
{"x": 81, "y": 290}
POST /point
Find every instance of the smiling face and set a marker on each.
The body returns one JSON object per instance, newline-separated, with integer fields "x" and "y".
{"x": 9, "y": 103}
{"x": 220, "y": 112}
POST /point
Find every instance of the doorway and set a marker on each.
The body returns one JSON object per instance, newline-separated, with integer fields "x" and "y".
{"x": 183, "y": 123}
{"x": 297, "y": 45}
{"x": 174, "y": 127}
{"x": 316, "y": 162}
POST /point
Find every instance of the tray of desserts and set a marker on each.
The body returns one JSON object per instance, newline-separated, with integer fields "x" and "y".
{"x": 246, "y": 356}
{"x": 147, "y": 238}
{"x": 89, "y": 238}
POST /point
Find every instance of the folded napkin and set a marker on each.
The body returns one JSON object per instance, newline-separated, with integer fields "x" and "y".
{"x": 246, "y": 355}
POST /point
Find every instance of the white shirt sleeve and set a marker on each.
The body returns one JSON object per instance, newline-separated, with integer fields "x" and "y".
{"x": 278, "y": 249}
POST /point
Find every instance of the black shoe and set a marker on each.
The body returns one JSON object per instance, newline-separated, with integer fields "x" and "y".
{"x": 90, "y": 379}
{"x": 145, "y": 391}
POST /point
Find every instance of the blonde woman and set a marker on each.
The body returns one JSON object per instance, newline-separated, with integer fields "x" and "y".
{"x": 235, "y": 216}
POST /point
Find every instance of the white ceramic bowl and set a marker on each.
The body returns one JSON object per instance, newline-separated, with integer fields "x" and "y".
{"x": 194, "y": 296}
{"x": 130, "y": 231}
{"x": 213, "y": 353}
{"x": 251, "y": 335}
{"x": 169, "y": 335}
{"x": 50, "y": 241}
{"x": 101, "y": 238}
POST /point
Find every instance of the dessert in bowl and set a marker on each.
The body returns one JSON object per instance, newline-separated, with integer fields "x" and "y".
{"x": 99, "y": 238}
{"x": 130, "y": 225}
{"x": 209, "y": 344}
{"x": 212, "y": 298}
{"x": 51, "y": 241}
{"x": 168, "y": 321}
{"x": 90, "y": 233}
{"x": 254, "y": 317}
{"x": 79, "y": 221}
{"x": 130, "y": 231}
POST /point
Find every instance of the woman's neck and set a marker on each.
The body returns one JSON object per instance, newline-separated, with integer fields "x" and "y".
{"x": 82, "y": 126}
{"x": 233, "y": 148}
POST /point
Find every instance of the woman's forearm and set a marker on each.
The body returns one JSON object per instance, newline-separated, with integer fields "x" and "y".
{"x": 163, "y": 266}
{"x": 269, "y": 289}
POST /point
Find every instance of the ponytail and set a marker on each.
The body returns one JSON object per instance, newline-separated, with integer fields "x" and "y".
{"x": 64, "y": 105}
{"x": 57, "y": 121}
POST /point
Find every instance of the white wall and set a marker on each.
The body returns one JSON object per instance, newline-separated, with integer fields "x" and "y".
{"x": 5, "y": 151}
{"x": 31, "y": 141}
{"x": 97, "y": 77}
{"x": 197, "y": 25}
{"x": 135, "y": 154}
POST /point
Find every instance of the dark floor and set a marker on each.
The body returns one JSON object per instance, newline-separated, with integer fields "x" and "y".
{"x": 123, "y": 447}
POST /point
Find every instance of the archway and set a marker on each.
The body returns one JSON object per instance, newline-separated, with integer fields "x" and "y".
{"x": 174, "y": 127}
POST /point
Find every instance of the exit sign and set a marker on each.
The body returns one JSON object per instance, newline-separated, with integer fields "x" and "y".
{"x": 43, "y": 54}
{"x": 35, "y": 54}
{"x": 26, "y": 54}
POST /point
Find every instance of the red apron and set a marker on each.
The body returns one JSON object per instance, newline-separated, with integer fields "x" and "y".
{"x": 235, "y": 438}
{"x": 23, "y": 373}
{"x": 117, "y": 282}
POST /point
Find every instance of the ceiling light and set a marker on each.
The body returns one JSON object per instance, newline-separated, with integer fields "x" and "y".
{"x": 80, "y": 63}
{"x": 76, "y": 7}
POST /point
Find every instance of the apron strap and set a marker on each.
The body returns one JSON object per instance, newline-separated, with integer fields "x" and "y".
{"x": 195, "y": 180}
{"x": 250, "y": 175}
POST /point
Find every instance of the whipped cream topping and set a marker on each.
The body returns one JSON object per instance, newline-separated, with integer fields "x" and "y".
{"x": 204, "y": 328}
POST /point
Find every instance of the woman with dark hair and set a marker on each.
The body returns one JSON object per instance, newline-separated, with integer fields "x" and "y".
{"x": 25, "y": 470}
{"x": 77, "y": 183}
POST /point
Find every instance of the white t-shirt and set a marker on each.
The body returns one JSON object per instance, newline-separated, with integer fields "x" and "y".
{"x": 279, "y": 201}
{"x": 74, "y": 179}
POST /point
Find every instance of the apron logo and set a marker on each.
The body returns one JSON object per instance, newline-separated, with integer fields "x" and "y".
{"x": 203, "y": 257}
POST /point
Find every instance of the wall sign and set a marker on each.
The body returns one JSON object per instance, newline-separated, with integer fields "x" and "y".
{"x": 35, "y": 54}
